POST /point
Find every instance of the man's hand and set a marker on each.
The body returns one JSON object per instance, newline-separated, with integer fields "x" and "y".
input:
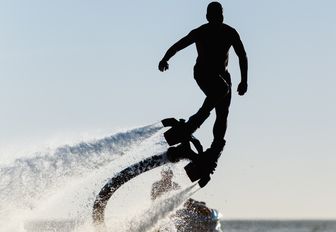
{"x": 163, "y": 65}
{"x": 242, "y": 88}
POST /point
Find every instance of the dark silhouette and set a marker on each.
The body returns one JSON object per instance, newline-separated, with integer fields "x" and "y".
{"x": 213, "y": 41}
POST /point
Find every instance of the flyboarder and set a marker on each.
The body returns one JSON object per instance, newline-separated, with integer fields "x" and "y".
{"x": 213, "y": 41}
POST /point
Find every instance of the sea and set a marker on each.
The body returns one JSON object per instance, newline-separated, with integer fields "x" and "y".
{"x": 226, "y": 226}
{"x": 278, "y": 225}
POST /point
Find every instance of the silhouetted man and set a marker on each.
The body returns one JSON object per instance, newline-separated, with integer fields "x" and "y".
{"x": 213, "y": 41}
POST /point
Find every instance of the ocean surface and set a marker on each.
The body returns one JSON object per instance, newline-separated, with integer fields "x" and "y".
{"x": 226, "y": 226}
{"x": 278, "y": 226}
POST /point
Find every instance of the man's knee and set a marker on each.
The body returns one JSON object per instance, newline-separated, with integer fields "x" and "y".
{"x": 222, "y": 107}
{"x": 222, "y": 112}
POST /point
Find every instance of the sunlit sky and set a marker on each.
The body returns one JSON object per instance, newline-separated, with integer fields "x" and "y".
{"x": 69, "y": 68}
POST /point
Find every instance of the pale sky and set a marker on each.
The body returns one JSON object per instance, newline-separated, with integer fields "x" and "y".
{"x": 69, "y": 68}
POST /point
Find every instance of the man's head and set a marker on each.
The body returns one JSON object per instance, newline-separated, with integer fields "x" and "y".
{"x": 215, "y": 13}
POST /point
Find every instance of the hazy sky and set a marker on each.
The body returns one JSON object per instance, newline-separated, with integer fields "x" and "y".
{"x": 69, "y": 67}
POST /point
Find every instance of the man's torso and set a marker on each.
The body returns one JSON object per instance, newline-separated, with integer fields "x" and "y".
{"x": 213, "y": 43}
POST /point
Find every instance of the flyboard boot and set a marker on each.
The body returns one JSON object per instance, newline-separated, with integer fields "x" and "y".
{"x": 205, "y": 163}
{"x": 180, "y": 134}
{"x": 181, "y": 131}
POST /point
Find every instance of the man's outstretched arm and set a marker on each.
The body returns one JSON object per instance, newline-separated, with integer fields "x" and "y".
{"x": 179, "y": 45}
{"x": 243, "y": 65}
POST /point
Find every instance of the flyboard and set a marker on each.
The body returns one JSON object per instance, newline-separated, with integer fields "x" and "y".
{"x": 174, "y": 136}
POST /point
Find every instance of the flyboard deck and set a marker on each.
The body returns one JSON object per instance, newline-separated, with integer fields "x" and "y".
{"x": 173, "y": 154}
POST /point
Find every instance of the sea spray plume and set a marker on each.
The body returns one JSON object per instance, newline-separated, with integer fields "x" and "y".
{"x": 160, "y": 209}
{"x": 77, "y": 194}
{"x": 28, "y": 179}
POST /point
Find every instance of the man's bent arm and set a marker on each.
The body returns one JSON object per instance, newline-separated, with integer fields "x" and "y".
{"x": 179, "y": 45}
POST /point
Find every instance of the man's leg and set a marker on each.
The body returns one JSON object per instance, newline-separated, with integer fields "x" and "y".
{"x": 219, "y": 129}
{"x": 196, "y": 120}
{"x": 208, "y": 161}
{"x": 218, "y": 92}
